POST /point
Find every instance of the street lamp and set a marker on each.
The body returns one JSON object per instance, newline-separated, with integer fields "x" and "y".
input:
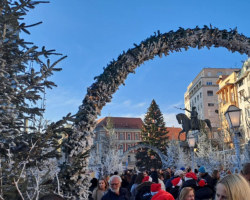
{"x": 233, "y": 115}
{"x": 191, "y": 144}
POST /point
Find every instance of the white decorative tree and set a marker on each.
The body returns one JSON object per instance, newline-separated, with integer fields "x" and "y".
{"x": 107, "y": 160}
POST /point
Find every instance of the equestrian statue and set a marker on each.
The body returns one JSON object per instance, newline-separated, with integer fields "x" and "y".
{"x": 192, "y": 124}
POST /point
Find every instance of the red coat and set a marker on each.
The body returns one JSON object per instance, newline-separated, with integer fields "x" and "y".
{"x": 162, "y": 195}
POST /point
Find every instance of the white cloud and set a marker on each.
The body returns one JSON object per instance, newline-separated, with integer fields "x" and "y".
{"x": 140, "y": 104}
{"x": 170, "y": 120}
{"x": 127, "y": 103}
{"x": 178, "y": 104}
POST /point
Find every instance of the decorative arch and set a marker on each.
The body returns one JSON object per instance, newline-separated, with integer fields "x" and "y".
{"x": 106, "y": 84}
{"x": 161, "y": 155}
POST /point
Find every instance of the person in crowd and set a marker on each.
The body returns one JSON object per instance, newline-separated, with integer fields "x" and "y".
{"x": 106, "y": 178}
{"x": 178, "y": 173}
{"x": 145, "y": 173}
{"x": 245, "y": 172}
{"x": 102, "y": 189}
{"x": 116, "y": 173}
{"x": 196, "y": 172}
{"x": 159, "y": 194}
{"x": 125, "y": 182}
{"x": 232, "y": 187}
{"x": 204, "y": 175}
{"x": 177, "y": 182}
{"x": 204, "y": 191}
{"x": 170, "y": 171}
{"x": 134, "y": 190}
{"x": 131, "y": 182}
{"x": 144, "y": 189}
{"x": 190, "y": 180}
{"x": 182, "y": 168}
{"x": 187, "y": 193}
{"x": 228, "y": 172}
{"x": 94, "y": 184}
{"x": 216, "y": 178}
{"x": 51, "y": 197}
{"x": 116, "y": 192}
{"x": 188, "y": 170}
{"x": 167, "y": 176}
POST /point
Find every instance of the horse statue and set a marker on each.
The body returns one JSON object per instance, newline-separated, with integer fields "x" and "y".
{"x": 186, "y": 124}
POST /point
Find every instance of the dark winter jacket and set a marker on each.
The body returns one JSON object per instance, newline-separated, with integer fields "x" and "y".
{"x": 214, "y": 183}
{"x": 154, "y": 176}
{"x": 143, "y": 189}
{"x": 124, "y": 195}
{"x": 208, "y": 179}
{"x": 175, "y": 191}
{"x": 189, "y": 183}
{"x": 205, "y": 192}
{"x": 169, "y": 184}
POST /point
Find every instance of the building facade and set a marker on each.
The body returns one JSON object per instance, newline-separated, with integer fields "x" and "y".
{"x": 227, "y": 96}
{"x": 128, "y": 134}
{"x": 202, "y": 94}
{"x": 242, "y": 84}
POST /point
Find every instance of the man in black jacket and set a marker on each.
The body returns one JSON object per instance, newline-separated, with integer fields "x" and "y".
{"x": 116, "y": 192}
{"x": 204, "y": 175}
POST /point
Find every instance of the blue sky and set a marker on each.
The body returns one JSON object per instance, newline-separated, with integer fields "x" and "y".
{"x": 92, "y": 33}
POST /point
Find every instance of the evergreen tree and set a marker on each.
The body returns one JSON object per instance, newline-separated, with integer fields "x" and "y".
{"x": 154, "y": 133}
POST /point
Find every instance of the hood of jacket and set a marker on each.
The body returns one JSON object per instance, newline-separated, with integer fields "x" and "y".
{"x": 146, "y": 183}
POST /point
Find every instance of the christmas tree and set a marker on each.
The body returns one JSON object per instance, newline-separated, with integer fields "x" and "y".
{"x": 154, "y": 133}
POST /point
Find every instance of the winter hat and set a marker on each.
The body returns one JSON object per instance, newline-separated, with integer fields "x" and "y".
{"x": 202, "y": 183}
{"x": 147, "y": 178}
{"x": 202, "y": 169}
{"x": 176, "y": 182}
{"x": 178, "y": 173}
{"x": 182, "y": 168}
{"x": 190, "y": 175}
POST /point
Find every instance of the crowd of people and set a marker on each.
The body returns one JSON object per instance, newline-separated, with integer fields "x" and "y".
{"x": 173, "y": 184}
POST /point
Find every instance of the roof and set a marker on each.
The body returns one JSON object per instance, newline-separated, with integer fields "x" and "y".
{"x": 173, "y": 133}
{"x": 122, "y": 122}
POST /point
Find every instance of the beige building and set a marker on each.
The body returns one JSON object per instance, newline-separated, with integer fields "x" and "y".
{"x": 243, "y": 86}
{"x": 201, "y": 93}
{"x": 127, "y": 131}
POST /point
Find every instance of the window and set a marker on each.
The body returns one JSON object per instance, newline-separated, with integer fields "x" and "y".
{"x": 219, "y": 73}
{"x": 240, "y": 83}
{"x": 201, "y": 105}
{"x": 200, "y": 95}
{"x": 210, "y": 93}
{"x": 129, "y": 145}
{"x": 210, "y": 104}
{"x": 208, "y": 73}
{"x": 129, "y": 136}
{"x": 198, "y": 98}
{"x": 136, "y": 136}
{"x": 129, "y": 159}
{"x": 198, "y": 108}
{"x": 209, "y": 83}
{"x": 121, "y": 136}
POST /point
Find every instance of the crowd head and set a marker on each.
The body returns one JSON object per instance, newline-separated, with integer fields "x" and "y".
{"x": 233, "y": 187}
{"x": 115, "y": 183}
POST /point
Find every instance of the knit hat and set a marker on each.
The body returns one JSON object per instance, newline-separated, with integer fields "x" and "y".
{"x": 202, "y": 169}
{"x": 176, "y": 182}
{"x": 190, "y": 175}
{"x": 155, "y": 188}
{"x": 178, "y": 173}
{"x": 182, "y": 168}
{"x": 202, "y": 183}
{"x": 147, "y": 178}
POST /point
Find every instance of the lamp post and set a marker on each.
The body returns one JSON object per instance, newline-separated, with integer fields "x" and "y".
{"x": 233, "y": 115}
{"x": 191, "y": 144}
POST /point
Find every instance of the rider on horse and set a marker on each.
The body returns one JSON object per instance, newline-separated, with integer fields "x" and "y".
{"x": 194, "y": 119}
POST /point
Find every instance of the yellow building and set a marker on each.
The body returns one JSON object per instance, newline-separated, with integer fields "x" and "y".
{"x": 227, "y": 95}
